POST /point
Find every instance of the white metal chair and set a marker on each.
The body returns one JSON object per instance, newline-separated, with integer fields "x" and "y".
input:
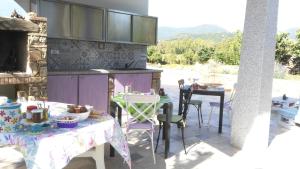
{"x": 142, "y": 109}
{"x": 226, "y": 107}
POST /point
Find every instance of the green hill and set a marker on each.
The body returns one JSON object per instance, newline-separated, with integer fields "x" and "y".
{"x": 214, "y": 37}
{"x": 166, "y": 33}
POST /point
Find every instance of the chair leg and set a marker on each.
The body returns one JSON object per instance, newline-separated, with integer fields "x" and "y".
{"x": 209, "y": 116}
{"x": 230, "y": 116}
{"x": 157, "y": 140}
{"x": 198, "y": 110}
{"x": 152, "y": 144}
{"x": 182, "y": 134}
{"x": 201, "y": 113}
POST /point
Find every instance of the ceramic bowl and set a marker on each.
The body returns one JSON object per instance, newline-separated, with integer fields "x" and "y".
{"x": 80, "y": 116}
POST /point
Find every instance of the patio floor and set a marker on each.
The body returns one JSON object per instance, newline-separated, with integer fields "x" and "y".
{"x": 206, "y": 148}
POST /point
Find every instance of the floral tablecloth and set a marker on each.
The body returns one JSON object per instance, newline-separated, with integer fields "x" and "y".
{"x": 55, "y": 147}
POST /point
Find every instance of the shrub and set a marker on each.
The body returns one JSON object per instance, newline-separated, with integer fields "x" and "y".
{"x": 280, "y": 71}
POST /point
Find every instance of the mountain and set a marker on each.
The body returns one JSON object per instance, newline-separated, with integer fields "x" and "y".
{"x": 214, "y": 37}
{"x": 166, "y": 33}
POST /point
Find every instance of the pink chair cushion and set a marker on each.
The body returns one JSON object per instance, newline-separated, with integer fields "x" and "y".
{"x": 140, "y": 126}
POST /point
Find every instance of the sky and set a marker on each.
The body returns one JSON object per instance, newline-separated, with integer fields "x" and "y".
{"x": 6, "y": 6}
{"x": 228, "y": 14}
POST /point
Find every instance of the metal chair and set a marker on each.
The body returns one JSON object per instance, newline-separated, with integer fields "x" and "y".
{"x": 226, "y": 107}
{"x": 196, "y": 103}
{"x": 142, "y": 109}
{"x": 177, "y": 119}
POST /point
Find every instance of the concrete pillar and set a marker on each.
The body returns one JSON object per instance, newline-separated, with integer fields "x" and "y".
{"x": 252, "y": 104}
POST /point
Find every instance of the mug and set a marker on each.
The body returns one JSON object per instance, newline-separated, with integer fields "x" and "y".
{"x": 3, "y": 100}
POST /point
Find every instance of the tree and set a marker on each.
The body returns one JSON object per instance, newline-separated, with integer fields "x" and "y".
{"x": 284, "y": 48}
{"x": 228, "y": 51}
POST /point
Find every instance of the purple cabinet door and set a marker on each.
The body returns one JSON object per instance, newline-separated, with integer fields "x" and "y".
{"x": 139, "y": 82}
{"x": 63, "y": 89}
{"x": 93, "y": 90}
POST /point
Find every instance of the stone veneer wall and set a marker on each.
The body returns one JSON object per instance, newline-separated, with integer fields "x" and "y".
{"x": 68, "y": 55}
{"x": 37, "y": 43}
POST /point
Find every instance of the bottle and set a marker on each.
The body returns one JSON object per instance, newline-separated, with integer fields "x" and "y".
{"x": 45, "y": 114}
{"x": 284, "y": 97}
{"x": 161, "y": 92}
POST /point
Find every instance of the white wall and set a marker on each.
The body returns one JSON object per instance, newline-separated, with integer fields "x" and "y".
{"x": 134, "y": 6}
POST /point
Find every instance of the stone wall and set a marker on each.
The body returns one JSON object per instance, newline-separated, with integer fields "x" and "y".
{"x": 37, "y": 43}
{"x": 156, "y": 81}
{"x": 34, "y": 80}
{"x": 68, "y": 55}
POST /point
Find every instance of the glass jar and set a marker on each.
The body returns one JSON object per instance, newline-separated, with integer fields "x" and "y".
{"x": 37, "y": 115}
{"x": 29, "y": 113}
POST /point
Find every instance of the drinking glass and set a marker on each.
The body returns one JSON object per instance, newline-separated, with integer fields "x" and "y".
{"x": 21, "y": 96}
{"x": 152, "y": 91}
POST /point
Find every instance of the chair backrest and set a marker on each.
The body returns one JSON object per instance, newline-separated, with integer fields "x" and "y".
{"x": 181, "y": 83}
{"x": 141, "y": 107}
{"x": 232, "y": 95}
{"x": 138, "y": 98}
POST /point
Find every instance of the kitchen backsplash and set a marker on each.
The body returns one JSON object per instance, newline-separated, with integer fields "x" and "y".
{"x": 64, "y": 54}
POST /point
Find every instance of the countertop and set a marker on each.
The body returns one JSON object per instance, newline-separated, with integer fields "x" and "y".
{"x": 103, "y": 71}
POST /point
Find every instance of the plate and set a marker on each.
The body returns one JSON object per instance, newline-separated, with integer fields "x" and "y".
{"x": 30, "y": 123}
{"x": 35, "y": 127}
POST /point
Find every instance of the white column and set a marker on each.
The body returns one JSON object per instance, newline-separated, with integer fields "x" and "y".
{"x": 252, "y": 104}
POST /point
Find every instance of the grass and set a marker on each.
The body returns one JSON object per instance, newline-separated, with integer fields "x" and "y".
{"x": 292, "y": 77}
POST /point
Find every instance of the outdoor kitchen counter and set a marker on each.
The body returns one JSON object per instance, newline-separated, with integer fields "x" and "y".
{"x": 82, "y": 87}
{"x": 104, "y": 71}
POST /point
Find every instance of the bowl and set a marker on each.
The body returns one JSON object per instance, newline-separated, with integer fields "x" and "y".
{"x": 77, "y": 109}
{"x": 203, "y": 86}
{"x": 67, "y": 121}
{"x": 80, "y": 116}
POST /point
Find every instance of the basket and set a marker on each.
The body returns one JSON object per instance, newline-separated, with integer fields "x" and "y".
{"x": 70, "y": 123}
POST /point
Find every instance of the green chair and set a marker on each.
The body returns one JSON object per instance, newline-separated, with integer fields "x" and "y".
{"x": 196, "y": 103}
{"x": 177, "y": 119}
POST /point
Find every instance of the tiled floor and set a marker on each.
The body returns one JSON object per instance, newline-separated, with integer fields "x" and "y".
{"x": 206, "y": 148}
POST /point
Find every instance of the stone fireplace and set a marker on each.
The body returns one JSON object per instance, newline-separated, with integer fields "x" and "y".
{"x": 23, "y": 48}
{"x": 13, "y": 51}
